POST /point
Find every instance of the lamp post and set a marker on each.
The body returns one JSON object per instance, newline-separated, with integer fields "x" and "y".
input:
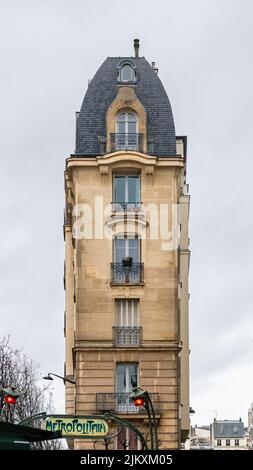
{"x": 142, "y": 398}
{"x": 48, "y": 377}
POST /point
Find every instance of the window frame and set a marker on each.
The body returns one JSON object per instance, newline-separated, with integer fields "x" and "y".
{"x": 126, "y": 187}
{"x": 126, "y": 121}
{"x": 121, "y": 72}
{"x": 131, "y": 314}
{"x": 126, "y": 364}
{"x": 126, "y": 236}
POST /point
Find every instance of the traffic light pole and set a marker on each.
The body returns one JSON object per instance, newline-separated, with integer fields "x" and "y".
{"x": 151, "y": 431}
{"x": 152, "y": 425}
{"x": 142, "y": 398}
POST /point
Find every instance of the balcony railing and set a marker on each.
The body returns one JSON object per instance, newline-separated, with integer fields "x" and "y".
{"x": 126, "y": 142}
{"x": 121, "y": 403}
{"x": 133, "y": 274}
{"x": 126, "y": 336}
{"x": 126, "y": 206}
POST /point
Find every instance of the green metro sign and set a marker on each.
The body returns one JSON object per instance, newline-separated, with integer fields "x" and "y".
{"x": 74, "y": 426}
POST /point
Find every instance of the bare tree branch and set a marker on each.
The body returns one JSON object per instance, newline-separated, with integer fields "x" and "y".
{"x": 17, "y": 370}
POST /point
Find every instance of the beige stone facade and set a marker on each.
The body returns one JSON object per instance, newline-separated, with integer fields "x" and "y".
{"x": 162, "y": 355}
{"x": 126, "y": 271}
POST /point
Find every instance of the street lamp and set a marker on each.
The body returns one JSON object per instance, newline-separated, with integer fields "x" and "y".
{"x": 142, "y": 398}
{"x": 48, "y": 377}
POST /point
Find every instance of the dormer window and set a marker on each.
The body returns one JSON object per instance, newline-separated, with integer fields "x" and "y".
{"x": 126, "y": 73}
{"x": 126, "y": 136}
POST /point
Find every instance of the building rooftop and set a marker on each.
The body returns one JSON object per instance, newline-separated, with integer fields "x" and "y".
{"x": 102, "y": 90}
{"x": 228, "y": 429}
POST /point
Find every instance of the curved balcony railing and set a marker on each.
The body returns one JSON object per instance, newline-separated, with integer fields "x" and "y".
{"x": 126, "y": 206}
{"x": 122, "y": 403}
{"x": 132, "y": 274}
{"x": 121, "y": 141}
{"x": 126, "y": 336}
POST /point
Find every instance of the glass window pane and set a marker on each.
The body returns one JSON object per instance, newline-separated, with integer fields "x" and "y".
{"x": 121, "y": 117}
{"x": 118, "y": 312}
{"x": 132, "y": 376}
{"x": 121, "y": 127}
{"x": 133, "y": 189}
{"x": 133, "y": 249}
{"x": 120, "y": 249}
{"x": 126, "y": 375}
{"x": 126, "y": 73}
{"x": 132, "y": 128}
{"x": 135, "y": 319}
{"x": 119, "y": 189}
{"x": 127, "y": 311}
{"x": 124, "y": 312}
{"x": 121, "y": 378}
{"x": 131, "y": 117}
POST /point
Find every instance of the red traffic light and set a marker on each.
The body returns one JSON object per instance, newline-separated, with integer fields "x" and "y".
{"x": 10, "y": 400}
{"x": 139, "y": 401}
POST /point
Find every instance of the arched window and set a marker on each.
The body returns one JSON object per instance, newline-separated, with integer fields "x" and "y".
{"x": 126, "y": 123}
{"x": 127, "y": 73}
{"x": 126, "y": 131}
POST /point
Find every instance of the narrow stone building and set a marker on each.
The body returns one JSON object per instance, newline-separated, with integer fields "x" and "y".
{"x": 127, "y": 256}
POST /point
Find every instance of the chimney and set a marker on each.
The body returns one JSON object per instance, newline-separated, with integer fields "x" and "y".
{"x": 154, "y": 67}
{"x": 136, "y": 47}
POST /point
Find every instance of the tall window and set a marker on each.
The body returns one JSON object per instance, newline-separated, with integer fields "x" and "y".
{"x": 126, "y": 380}
{"x": 126, "y": 247}
{"x": 126, "y": 267}
{"x": 228, "y": 442}
{"x": 126, "y": 191}
{"x": 236, "y": 442}
{"x": 127, "y": 330}
{"x": 126, "y": 131}
{"x": 218, "y": 442}
{"x": 127, "y": 312}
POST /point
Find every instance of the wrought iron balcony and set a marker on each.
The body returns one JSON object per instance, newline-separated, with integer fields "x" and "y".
{"x": 126, "y": 336}
{"x": 132, "y": 274}
{"x": 126, "y": 142}
{"x": 121, "y": 403}
{"x": 126, "y": 206}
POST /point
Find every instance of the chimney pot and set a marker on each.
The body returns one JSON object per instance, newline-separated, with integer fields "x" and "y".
{"x": 136, "y": 47}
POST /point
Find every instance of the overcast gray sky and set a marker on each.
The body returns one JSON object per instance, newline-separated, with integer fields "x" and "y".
{"x": 203, "y": 48}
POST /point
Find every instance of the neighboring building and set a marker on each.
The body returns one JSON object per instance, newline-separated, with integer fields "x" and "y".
{"x": 200, "y": 437}
{"x": 126, "y": 273}
{"x": 250, "y": 426}
{"x": 228, "y": 435}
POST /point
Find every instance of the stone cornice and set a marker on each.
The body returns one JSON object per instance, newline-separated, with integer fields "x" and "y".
{"x": 123, "y": 158}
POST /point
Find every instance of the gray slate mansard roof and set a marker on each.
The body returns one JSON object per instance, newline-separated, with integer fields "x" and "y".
{"x": 228, "y": 429}
{"x": 102, "y": 91}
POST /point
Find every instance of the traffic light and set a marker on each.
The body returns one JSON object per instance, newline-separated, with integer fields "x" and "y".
{"x": 139, "y": 397}
{"x": 139, "y": 401}
{"x": 10, "y": 400}
{"x": 8, "y": 396}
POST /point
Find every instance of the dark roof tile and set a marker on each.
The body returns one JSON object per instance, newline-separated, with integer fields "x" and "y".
{"x": 103, "y": 90}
